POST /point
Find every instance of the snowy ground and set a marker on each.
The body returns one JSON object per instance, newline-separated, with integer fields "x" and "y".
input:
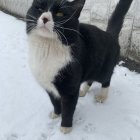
{"x": 24, "y": 106}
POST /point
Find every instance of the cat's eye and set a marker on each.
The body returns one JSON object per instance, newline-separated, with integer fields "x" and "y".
{"x": 59, "y": 14}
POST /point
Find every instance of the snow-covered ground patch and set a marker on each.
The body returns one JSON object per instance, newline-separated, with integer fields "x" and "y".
{"x": 24, "y": 106}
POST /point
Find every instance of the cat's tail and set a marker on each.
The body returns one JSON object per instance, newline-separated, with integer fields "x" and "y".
{"x": 116, "y": 21}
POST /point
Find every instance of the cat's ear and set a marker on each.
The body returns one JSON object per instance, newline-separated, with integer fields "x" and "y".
{"x": 78, "y": 5}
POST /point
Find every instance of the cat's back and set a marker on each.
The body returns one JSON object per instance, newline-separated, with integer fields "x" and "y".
{"x": 97, "y": 39}
{"x": 94, "y": 33}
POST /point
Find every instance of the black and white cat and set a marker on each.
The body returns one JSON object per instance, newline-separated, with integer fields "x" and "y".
{"x": 67, "y": 56}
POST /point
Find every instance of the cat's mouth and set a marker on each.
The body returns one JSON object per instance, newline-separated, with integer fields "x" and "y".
{"x": 45, "y": 29}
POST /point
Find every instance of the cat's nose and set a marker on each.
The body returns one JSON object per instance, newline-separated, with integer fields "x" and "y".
{"x": 45, "y": 20}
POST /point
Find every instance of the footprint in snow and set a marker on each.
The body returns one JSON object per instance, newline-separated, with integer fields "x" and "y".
{"x": 78, "y": 120}
{"x": 135, "y": 120}
{"x": 89, "y": 128}
{"x": 43, "y": 137}
{"x": 52, "y": 127}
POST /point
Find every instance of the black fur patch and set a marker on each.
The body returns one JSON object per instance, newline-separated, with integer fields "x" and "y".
{"x": 95, "y": 52}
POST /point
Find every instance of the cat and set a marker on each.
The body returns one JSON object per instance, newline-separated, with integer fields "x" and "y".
{"x": 66, "y": 56}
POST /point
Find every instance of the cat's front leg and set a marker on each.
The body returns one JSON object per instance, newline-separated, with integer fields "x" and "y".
{"x": 68, "y": 107}
{"x": 57, "y": 106}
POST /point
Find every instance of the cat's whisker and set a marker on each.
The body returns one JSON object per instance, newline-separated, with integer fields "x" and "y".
{"x": 62, "y": 2}
{"x": 57, "y": 39}
{"x": 26, "y": 19}
{"x": 58, "y": 34}
{"x": 63, "y": 36}
{"x": 70, "y": 30}
{"x": 32, "y": 16}
{"x": 29, "y": 20}
{"x": 59, "y": 26}
{"x": 51, "y": 5}
{"x": 32, "y": 24}
{"x": 56, "y": 23}
{"x": 70, "y": 17}
{"x": 32, "y": 27}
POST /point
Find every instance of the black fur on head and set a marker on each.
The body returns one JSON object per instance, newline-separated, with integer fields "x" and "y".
{"x": 65, "y": 14}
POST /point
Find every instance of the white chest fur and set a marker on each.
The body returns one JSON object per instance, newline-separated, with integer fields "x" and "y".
{"x": 47, "y": 58}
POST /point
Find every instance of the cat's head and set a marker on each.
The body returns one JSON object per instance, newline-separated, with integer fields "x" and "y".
{"x": 49, "y": 18}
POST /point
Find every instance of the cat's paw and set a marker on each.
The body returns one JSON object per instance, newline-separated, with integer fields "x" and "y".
{"x": 84, "y": 88}
{"x": 53, "y": 115}
{"x": 82, "y": 93}
{"x": 100, "y": 98}
{"x": 65, "y": 130}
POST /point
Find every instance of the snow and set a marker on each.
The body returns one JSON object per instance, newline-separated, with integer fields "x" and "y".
{"x": 24, "y": 105}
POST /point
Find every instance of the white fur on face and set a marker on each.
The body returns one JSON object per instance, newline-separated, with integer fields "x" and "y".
{"x": 47, "y": 58}
{"x": 46, "y": 30}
